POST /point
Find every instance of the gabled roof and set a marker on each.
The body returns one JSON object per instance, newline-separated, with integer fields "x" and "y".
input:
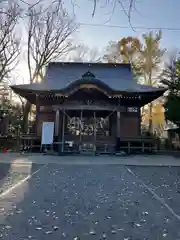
{"x": 62, "y": 75}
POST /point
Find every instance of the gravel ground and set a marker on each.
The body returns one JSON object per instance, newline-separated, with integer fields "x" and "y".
{"x": 91, "y": 202}
{"x": 164, "y": 181}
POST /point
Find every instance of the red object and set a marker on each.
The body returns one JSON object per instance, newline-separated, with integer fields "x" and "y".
{"x": 5, "y": 150}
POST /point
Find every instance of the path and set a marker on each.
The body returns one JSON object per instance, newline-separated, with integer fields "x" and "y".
{"x": 98, "y": 201}
{"x": 136, "y": 160}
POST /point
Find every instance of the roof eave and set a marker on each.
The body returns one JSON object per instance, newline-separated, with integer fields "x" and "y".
{"x": 149, "y": 97}
{"x": 146, "y": 96}
{"x": 20, "y": 88}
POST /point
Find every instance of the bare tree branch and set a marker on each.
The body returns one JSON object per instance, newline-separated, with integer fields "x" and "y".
{"x": 48, "y": 37}
{"x": 9, "y": 42}
{"x": 30, "y": 4}
{"x": 113, "y": 53}
{"x": 94, "y": 8}
{"x": 114, "y": 4}
{"x": 22, "y": 100}
{"x": 83, "y": 53}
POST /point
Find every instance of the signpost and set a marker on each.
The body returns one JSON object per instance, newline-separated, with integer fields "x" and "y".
{"x": 47, "y": 134}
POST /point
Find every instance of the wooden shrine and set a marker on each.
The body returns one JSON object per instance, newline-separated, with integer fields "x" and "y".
{"x": 94, "y": 106}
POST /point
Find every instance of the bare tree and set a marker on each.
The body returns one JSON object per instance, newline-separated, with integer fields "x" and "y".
{"x": 83, "y": 53}
{"x": 24, "y": 2}
{"x": 126, "y": 6}
{"x": 114, "y": 3}
{"x": 48, "y": 37}
{"x": 49, "y": 32}
{"x": 113, "y": 53}
{"x": 31, "y": 5}
{"x": 9, "y": 42}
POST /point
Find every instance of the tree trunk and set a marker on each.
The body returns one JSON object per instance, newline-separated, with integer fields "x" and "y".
{"x": 5, "y": 125}
{"x": 27, "y": 109}
{"x": 150, "y": 127}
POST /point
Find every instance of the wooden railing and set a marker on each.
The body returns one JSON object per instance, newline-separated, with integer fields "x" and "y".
{"x": 30, "y": 142}
{"x": 138, "y": 145}
{"x": 106, "y": 144}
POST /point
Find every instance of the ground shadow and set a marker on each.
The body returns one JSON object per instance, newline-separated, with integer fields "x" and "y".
{"x": 5, "y": 176}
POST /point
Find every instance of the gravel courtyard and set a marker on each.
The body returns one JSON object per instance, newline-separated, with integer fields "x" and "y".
{"x": 91, "y": 202}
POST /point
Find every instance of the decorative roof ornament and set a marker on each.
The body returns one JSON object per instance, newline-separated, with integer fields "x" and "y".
{"x": 88, "y": 76}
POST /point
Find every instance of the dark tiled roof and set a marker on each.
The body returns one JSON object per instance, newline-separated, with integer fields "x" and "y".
{"x": 59, "y": 76}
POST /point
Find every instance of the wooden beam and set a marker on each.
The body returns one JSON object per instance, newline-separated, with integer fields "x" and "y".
{"x": 89, "y": 107}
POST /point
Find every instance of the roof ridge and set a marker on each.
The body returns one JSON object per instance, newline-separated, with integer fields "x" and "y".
{"x": 128, "y": 65}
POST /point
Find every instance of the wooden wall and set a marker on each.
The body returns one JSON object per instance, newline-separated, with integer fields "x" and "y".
{"x": 130, "y": 123}
{"x": 48, "y": 116}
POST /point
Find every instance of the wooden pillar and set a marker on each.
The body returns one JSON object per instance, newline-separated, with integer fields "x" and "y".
{"x": 60, "y": 126}
{"x": 57, "y": 122}
{"x": 94, "y": 132}
{"x": 118, "y": 123}
{"x": 139, "y": 123}
{"x": 80, "y": 130}
{"x": 118, "y": 129}
{"x": 112, "y": 125}
{"x": 59, "y": 136}
{"x": 37, "y": 115}
{"x": 63, "y": 129}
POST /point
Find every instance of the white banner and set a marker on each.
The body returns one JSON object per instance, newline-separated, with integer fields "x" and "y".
{"x": 47, "y": 133}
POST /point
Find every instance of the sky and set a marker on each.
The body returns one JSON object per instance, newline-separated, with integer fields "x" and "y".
{"x": 149, "y": 13}
{"x": 155, "y": 14}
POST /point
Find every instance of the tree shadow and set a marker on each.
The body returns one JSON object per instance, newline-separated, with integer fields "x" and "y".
{"x": 5, "y": 175}
{"x": 22, "y": 211}
{"x": 4, "y": 170}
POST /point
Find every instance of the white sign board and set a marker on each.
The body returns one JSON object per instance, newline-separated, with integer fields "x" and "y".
{"x": 47, "y": 133}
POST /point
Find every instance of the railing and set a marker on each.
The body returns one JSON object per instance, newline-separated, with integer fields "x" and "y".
{"x": 107, "y": 144}
{"x": 138, "y": 145}
{"x": 103, "y": 145}
{"x": 29, "y": 143}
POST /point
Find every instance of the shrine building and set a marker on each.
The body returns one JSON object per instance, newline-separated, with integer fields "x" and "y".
{"x": 93, "y": 105}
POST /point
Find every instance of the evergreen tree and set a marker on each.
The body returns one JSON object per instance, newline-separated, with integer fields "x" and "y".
{"x": 171, "y": 79}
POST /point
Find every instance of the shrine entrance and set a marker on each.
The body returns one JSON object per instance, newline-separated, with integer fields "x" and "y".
{"x": 87, "y": 129}
{"x": 88, "y": 120}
